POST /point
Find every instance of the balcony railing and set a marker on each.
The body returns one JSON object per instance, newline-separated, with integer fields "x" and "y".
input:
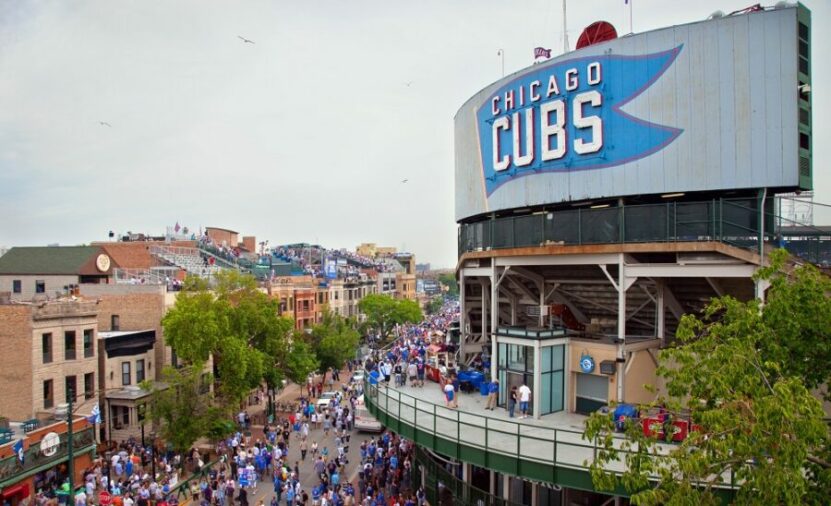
{"x": 457, "y": 433}
{"x": 731, "y": 221}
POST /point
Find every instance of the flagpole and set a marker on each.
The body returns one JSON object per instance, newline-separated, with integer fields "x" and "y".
{"x": 501, "y": 53}
{"x": 631, "y": 30}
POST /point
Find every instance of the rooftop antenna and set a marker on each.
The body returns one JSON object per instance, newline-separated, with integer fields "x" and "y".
{"x": 565, "y": 33}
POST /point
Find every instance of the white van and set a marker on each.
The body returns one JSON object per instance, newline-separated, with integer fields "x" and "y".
{"x": 364, "y": 421}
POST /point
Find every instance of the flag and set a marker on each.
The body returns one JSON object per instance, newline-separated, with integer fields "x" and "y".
{"x": 18, "y": 449}
{"x": 95, "y": 415}
{"x": 541, "y": 52}
{"x": 177, "y": 228}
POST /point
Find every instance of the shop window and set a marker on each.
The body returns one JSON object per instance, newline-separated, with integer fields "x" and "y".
{"x": 89, "y": 349}
{"x": 46, "y": 345}
{"x": 48, "y": 394}
{"x": 69, "y": 345}
{"x": 125, "y": 373}
{"x": 125, "y": 416}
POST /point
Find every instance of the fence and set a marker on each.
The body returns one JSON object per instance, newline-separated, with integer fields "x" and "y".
{"x": 522, "y": 449}
{"x": 732, "y": 221}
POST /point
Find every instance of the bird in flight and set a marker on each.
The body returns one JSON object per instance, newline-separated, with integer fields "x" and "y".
{"x": 104, "y": 123}
{"x": 404, "y": 181}
{"x": 244, "y": 40}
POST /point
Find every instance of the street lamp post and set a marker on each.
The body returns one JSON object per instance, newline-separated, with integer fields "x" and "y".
{"x": 69, "y": 444}
{"x": 153, "y": 453}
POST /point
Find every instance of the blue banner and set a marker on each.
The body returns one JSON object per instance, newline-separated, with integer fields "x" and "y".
{"x": 567, "y": 117}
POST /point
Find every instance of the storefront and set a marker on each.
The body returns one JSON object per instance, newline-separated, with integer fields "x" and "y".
{"x": 536, "y": 358}
{"x": 45, "y": 460}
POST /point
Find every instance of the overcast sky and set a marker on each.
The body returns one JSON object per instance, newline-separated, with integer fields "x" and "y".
{"x": 304, "y": 135}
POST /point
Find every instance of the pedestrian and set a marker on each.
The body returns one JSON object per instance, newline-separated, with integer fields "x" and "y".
{"x": 449, "y": 394}
{"x": 512, "y": 401}
{"x": 524, "y": 398}
{"x": 303, "y": 449}
{"x": 493, "y": 393}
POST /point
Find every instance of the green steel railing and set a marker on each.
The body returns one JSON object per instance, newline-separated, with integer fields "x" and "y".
{"x": 732, "y": 221}
{"x": 448, "y": 430}
{"x": 462, "y": 493}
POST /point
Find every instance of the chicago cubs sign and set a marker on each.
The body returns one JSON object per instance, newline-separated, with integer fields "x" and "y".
{"x": 568, "y": 117}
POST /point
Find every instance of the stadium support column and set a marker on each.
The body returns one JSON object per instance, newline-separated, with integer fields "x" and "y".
{"x": 621, "y": 326}
{"x": 463, "y": 335}
{"x": 660, "y": 310}
{"x": 494, "y": 315}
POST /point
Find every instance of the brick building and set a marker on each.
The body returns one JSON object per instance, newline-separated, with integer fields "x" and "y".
{"x": 54, "y": 352}
{"x": 46, "y": 272}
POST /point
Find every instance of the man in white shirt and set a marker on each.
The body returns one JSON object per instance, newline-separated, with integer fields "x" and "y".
{"x": 524, "y": 398}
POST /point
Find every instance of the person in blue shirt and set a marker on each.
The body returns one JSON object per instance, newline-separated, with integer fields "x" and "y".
{"x": 278, "y": 487}
{"x": 393, "y": 462}
{"x": 290, "y": 496}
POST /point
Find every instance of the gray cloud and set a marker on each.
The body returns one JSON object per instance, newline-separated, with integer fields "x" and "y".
{"x": 304, "y": 135}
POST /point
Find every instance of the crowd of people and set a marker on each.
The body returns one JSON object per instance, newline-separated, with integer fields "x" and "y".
{"x": 129, "y": 472}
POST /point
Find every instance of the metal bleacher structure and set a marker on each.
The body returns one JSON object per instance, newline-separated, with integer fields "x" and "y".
{"x": 203, "y": 261}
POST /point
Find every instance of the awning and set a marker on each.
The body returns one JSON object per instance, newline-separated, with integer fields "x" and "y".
{"x": 21, "y": 489}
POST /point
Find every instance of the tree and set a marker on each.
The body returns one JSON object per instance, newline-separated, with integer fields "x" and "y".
{"x": 235, "y": 324}
{"x": 434, "y": 305}
{"x": 739, "y": 374}
{"x": 449, "y": 280}
{"x": 334, "y": 341}
{"x": 183, "y": 403}
{"x": 301, "y": 361}
{"x": 384, "y": 312}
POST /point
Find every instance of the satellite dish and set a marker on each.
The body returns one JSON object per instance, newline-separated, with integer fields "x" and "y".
{"x": 716, "y": 15}
{"x": 599, "y": 31}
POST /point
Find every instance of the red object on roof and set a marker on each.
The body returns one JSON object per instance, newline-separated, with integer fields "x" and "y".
{"x": 599, "y": 31}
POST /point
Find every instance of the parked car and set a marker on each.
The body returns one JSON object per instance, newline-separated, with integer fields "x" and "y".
{"x": 325, "y": 399}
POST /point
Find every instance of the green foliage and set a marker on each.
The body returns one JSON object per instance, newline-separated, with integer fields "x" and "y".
{"x": 183, "y": 403}
{"x": 741, "y": 372}
{"x": 301, "y": 361}
{"x": 334, "y": 341}
{"x": 435, "y": 304}
{"x": 237, "y": 325}
{"x": 449, "y": 280}
{"x": 384, "y": 312}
